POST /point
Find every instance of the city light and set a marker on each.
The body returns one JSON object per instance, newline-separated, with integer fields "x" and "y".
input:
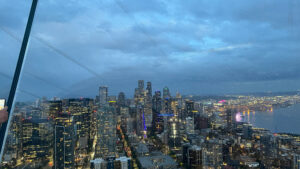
{"x": 149, "y": 84}
{"x": 238, "y": 117}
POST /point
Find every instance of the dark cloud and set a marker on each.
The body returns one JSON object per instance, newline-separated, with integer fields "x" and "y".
{"x": 191, "y": 46}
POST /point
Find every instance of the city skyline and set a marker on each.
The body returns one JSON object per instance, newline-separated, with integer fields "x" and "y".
{"x": 154, "y": 128}
{"x": 23, "y": 95}
{"x": 130, "y": 84}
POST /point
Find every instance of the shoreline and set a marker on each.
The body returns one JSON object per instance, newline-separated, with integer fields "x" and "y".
{"x": 272, "y": 120}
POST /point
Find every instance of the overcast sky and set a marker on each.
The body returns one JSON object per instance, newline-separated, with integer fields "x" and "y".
{"x": 193, "y": 46}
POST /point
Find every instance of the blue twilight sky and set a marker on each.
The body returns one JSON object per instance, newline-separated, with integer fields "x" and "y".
{"x": 192, "y": 46}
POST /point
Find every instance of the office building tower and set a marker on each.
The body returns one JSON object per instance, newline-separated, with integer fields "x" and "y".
{"x": 103, "y": 95}
{"x": 55, "y": 108}
{"x": 189, "y": 108}
{"x": 195, "y": 157}
{"x": 166, "y": 93}
{"x": 212, "y": 154}
{"x": 106, "y": 136}
{"x": 166, "y": 109}
{"x": 81, "y": 110}
{"x": 136, "y": 96}
{"x": 112, "y": 99}
{"x": 64, "y": 137}
{"x": 174, "y": 139}
{"x": 124, "y": 112}
{"x": 141, "y": 85}
{"x": 296, "y": 161}
{"x": 139, "y": 94}
{"x": 157, "y": 101}
{"x": 141, "y": 128}
{"x": 157, "y": 118}
{"x": 124, "y": 116}
{"x": 166, "y": 113}
{"x": 247, "y": 131}
{"x": 36, "y": 139}
{"x": 148, "y": 106}
{"x": 149, "y": 90}
{"x": 201, "y": 122}
{"x": 97, "y": 99}
{"x": 166, "y": 106}
{"x": 185, "y": 154}
{"x": 174, "y": 107}
{"x": 231, "y": 119}
{"x": 121, "y": 99}
{"x": 130, "y": 127}
{"x": 189, "y": 126}
{"x": 14, "y": 140}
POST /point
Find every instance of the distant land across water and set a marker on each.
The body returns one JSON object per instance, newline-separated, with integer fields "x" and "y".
{"x": 281, "y": 120}
{"x": 233, "y": 95}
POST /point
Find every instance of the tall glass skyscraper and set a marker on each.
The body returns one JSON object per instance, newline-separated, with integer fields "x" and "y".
{"x": 103, "y": 95}
{"x": 106, "y": 136}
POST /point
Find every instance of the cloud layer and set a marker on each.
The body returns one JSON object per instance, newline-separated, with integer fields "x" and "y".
{"x": 194, "y": 47}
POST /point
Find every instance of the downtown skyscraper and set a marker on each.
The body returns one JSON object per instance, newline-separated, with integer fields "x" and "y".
{"x": 103, "y": 95}
{"x": 106, "y": 126}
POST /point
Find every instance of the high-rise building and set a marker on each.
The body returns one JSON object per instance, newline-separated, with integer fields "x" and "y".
{"x": 106, "y": 136}
{"x": 103, "y": 95}
{"x": 148, "y": 106}
{"x": 174, "y": 139}
{"x": 201, "y": 122}
{"x": 14, "y": 141}
{"x": 124, "y": 112}
{"x": 296, "y": 161}
{"x": 149, "y": 89}
{"x": 195, "y": 156}
{"x": 136, "y": 96}
{"x": 189, "y": 108}
{"x": 139, "y": 94}
{"x": 231, "y": 119}
{"x": 64, "y": 136}
{"x": 112, "y": 101}
{"x": 81, "y": 110}
{"x": 55, "y": 108}
{"x": 121, "y": 99}
{"x": 141, "y": 128}
{"x": 158, "y": 121}
{"x": 141, "y": 85}
{"x": 166, "y": 93}
{"x": 124, "y": 117}
{"x": 36, "y": 139}
{"x": 189, "y": 126}
{"x": 64, "y": 140}
{"x": 166, "y": 112}
{"x": 157, "y": 102}
{"x": 185, "y": 154}
{"x": 212, "y": 154}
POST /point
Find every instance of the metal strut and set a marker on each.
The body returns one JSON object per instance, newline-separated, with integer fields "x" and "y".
{"x": 5, "y": 126}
